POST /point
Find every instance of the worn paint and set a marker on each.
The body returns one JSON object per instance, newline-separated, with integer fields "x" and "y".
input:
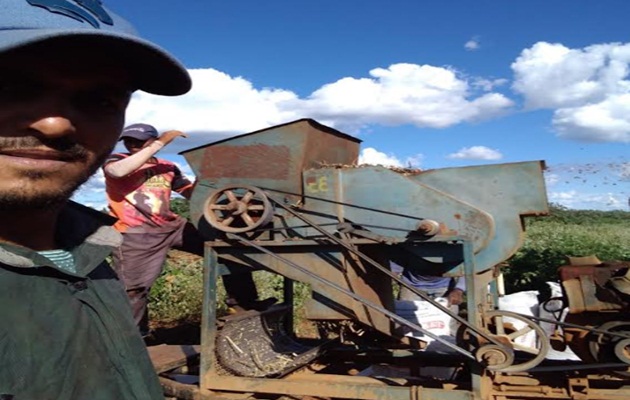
{"x": 244, "y": 162}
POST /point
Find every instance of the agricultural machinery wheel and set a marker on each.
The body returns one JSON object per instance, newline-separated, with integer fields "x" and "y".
{"x": 495, "y": 358}
{"x": 528, "y": 352}
{"x": 238, "y": 209}
{"x": 605, "y": 348}
{"x": 622, "y": 350}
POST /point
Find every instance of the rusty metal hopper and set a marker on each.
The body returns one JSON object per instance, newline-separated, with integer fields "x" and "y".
{"x": 272, "y": 158}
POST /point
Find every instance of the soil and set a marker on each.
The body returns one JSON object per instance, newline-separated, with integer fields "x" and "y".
{"x": 189, "y": 333}
{"x": 181, "y": 333}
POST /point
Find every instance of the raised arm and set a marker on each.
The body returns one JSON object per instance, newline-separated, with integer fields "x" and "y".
{"x": 125, "y": 166}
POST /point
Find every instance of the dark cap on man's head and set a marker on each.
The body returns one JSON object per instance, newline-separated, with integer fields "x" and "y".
{"x": 139, "y": 131}
{"x": 28, "y": 22}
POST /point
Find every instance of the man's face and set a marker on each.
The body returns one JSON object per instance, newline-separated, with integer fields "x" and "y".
{"x": 61, "y": 111}
{"x": 134, "y": 145}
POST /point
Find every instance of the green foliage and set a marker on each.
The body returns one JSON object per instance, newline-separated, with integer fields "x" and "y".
{"x": 562, "y": 214}
{"x": 549, "y": 240}
{"x": 177, "y": 295}
{"x": 271, "y": 285}
{"x": 181, "y": 206}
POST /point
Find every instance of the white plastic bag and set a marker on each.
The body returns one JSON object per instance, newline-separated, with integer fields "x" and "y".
{"x": 552, "y": 310}
{"x": 525, "y": 303}
{"x": 428, "y": 317}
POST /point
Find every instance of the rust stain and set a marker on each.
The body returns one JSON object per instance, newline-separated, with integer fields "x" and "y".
{"x": 258, "y": 161}
{"x": 445, "y": 230}
{"x": 458, "y": 216}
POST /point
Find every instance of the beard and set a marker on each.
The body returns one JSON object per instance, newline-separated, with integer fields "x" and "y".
{"x": 20, "y": 200}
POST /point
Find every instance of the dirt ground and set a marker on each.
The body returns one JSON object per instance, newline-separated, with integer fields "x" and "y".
{"x": 185, "y": 332}
{"x": 189, "y": 332}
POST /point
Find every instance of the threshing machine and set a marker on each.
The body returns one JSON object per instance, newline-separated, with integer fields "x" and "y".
{"x": 291, "y": 200}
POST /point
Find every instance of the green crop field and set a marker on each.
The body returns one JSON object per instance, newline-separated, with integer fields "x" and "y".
{"x": 549, "y": 240}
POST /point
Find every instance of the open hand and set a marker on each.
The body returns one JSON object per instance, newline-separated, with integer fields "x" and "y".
{"x": 168, "y": 136}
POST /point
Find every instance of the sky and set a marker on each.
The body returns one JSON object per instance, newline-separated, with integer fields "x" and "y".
{"x": 424, "y": 84}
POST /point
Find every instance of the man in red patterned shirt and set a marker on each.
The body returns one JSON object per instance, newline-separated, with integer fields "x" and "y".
{"x": 139, "y": 187}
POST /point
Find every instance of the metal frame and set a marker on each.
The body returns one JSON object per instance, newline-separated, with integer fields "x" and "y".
{"x": 213, "y": 385}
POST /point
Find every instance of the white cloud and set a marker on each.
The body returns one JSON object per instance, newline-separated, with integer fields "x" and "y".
{"x": 372, "y": 156}
{"x": 476, "y": 153}
{"x": 92, "y": 193}
{"x": 589, "y": 201}
{"x": 551, "y": 179}
{"x": 488, "y": 84}
{"x": 590, "y": 185}
{"x": 218, "y": 106}
{"x": 422, "y": 95}
{"x": 588, "y": 89}
{"x": 472, "y": 45}
{"x": 568, "y": 196}
{"x": 606, "y": 121}
{"x": 414, "y": 161}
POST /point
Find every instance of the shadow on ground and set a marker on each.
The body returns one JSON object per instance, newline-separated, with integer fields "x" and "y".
{"x": 182, "y": 333}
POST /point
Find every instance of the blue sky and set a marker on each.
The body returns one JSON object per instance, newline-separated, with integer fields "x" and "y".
{"x": 429, "y": 84}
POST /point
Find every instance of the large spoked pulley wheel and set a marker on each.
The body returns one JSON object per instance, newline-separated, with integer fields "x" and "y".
{"x": 238, "y": 209}
{"x": 527, "y": 339}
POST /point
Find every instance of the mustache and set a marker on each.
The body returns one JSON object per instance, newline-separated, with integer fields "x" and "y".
{"x": 67, "y": 148}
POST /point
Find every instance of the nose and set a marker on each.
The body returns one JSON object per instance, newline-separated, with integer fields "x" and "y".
{"x": 53, "y": 127}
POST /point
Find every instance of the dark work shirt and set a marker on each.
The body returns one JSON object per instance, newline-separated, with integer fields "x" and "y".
{"x": 67, "y": 336}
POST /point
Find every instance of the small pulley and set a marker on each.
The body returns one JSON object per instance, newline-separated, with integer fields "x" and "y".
{"x": 493, "y": 357}
{"x": 519, "y": 353}
{"x": 238, "y": 209}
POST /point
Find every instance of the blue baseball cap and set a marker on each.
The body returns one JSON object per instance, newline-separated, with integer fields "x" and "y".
{"x": 139, "y": 131}
{"x": 28, "y": 22}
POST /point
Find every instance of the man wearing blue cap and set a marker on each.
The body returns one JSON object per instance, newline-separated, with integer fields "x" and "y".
{"x": 139, "y": 187}
{"x": 67, "y": 71}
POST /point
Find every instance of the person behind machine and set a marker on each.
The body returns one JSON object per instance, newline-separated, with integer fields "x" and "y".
{"x": 67, "y": 72}
{"x": 139, "y": 187}
{"x": 451, "y": 288}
